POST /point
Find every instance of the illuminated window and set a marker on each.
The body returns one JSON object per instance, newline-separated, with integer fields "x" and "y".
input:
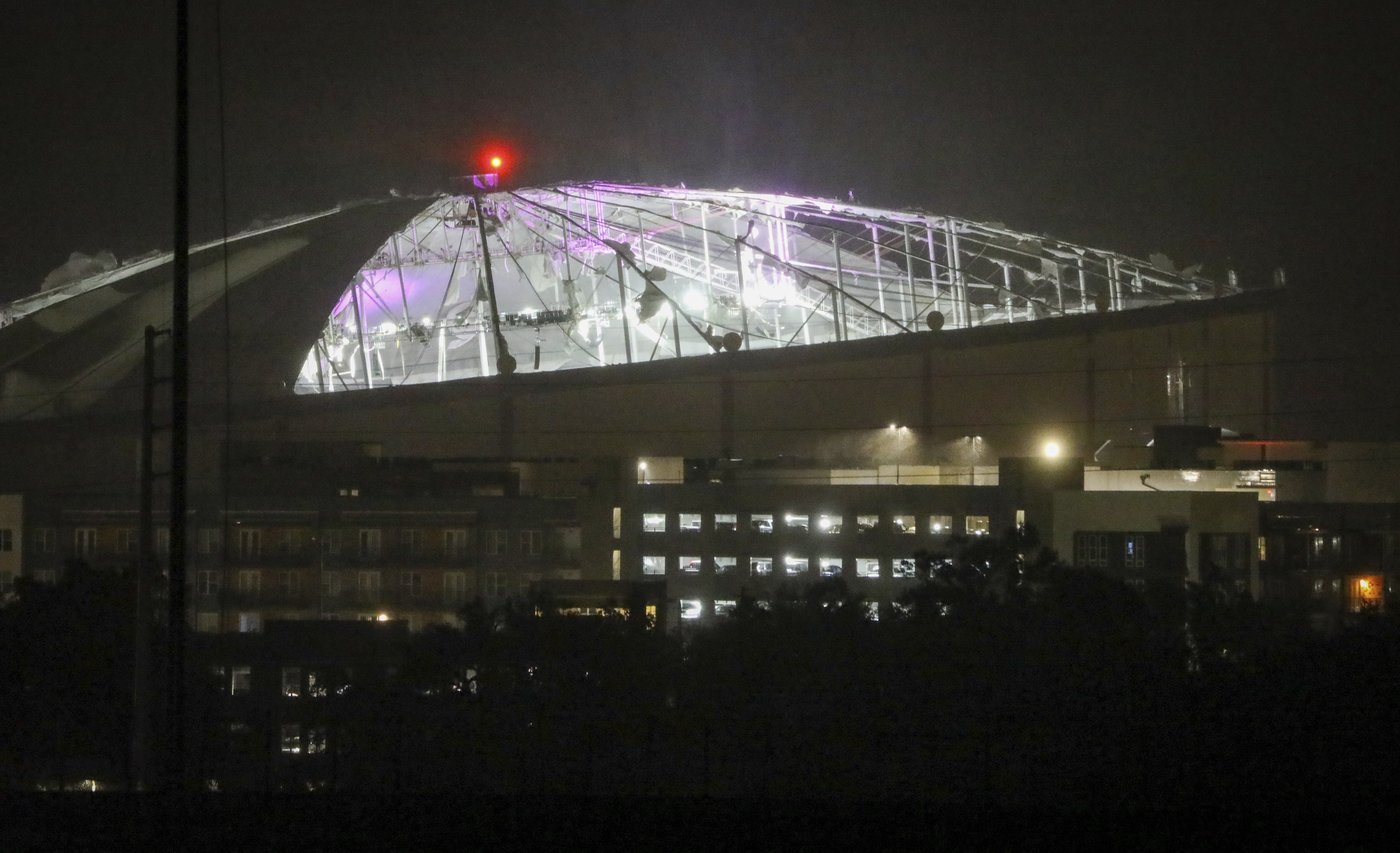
{"x": 315, "y": 740}
{"x": 1365, "y": 594}
{"x": 726, "y": 522}
{"x": 692, "y": 608}
{"x": 85, "y": 541}
{"x": 454, "y": 587}
{"x": 617, "y": 564}
{"x": 725, "y": 565}
{"x": 761, "y": 522}
{"x": 654, "y": 565}
{"x": 532, "y": 542}
{"x": 867, "y": 523}
{"x": 690, "y": 565}
{"x": 291, "y": 682}
{"x": 904, "y": 524}
{"x": 795, "y": 522}
{"x": 940, "y": 525}
{"x": 867, "y": 567}
{"x": 291, "y": 738}
{"x": 795, "y": 565}
{"x": 653, "y": 522}
{"x": 249, "y": 623}
{"x": 690, "y": 522}
{"x": 371, "y": 542}
{"x": 241, "y": 681}
{"x": 829, "y": 524}
{"x": 1020, "y": 519}
{"x": 760, "y": 566}
{"x": 872, "y": 610}
{"x": 830, "y": 567}
{"x": 978, "y": 525}
{"x": 904, "y": 568}
{"x": 725, "y": 607}
{"x": 1091, "y": 550}
{"x": 617, "y": 522}
{"x": 1134, "y": 551}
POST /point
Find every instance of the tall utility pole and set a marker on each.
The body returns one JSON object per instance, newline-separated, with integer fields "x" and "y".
{"x": 179, "y": 408}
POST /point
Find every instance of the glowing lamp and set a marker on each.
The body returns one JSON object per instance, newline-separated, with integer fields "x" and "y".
{"x": 497, "y": 162}
{"x": 1051, "y": 450}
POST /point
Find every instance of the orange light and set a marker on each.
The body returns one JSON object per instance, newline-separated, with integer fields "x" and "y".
{"x": 496, "y": 162}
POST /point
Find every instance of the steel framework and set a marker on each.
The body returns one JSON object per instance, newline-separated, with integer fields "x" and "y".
{"x": 590, "y": 274}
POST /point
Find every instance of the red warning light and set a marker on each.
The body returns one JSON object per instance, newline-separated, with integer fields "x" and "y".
{"x": 496, "y": 161}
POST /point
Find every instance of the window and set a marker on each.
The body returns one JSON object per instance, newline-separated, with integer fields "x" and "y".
{"x": 872, "y": 610}
{"x": 289, "y": 583}
{"x": 617, "y": 564}
{"x": 532, "y": 542}
{"x": 371, "y": 542}
{"x": 494, "y": 585}
{"x": 43, "y": 540}
{"x": 690, "y": 565}
{"x": 760, "y": 566}
{"x": 654, "y": 565}
{"x": 206, "y": 623}
{"x": 940, "y": 525}
{"x": 692, "y": 608}
{"x": 867, "y": 523}
{"x": 867, "y": 567}
{"x": 904, "y": 568}
{"x": 208, "y": 540}
{"x": 249, "y": 582}
{"x": 330, "y": 584}
{"x": 617, "y": 522}
{"x": 495, "y": 543}
{"x": 7, "y": 539}
{"x": 830, "y": 524}
{"x": 1134, "y": 551}
{"x": 412, "y": 542}
{"x": 249, "y": 543}
{"x": 291, "y": 738}
{"x": 291, "y": 541}
{"x": 85, "y": 541}
{"x": 1091, "y": 550}
{"x": 795, "y": 522}
{"x": 315, "y": 740}
{"x": 454, "y": 543}
{"x": 454, "y": 587}
{"x": 725, "y": 607}
{"x": 163, "y": 541}
{"x": 978, "y": 525}
{"x": 690, "y": 522}
{"x": 412, "y": 583}
{"x": 241, "y": 681}
{"x": 904, "y": 524}
{"x": 795, "y": 565}
{"x": 249, "y": 623}
{"x": 126, "y": 541}
{"x": 761, "y": 522}
{"x": 726, "y": 522}
{"x": 830, "y": 567}
{"x": 367, "y": 586}
{"x": 330, "y": 543}
{"x": 653, "y": 522}
{"x": 206, "y": 582}
{"x": 1020, "y": 520}
{"x": 725, "y": 565}
{"x": 291, "y": 682}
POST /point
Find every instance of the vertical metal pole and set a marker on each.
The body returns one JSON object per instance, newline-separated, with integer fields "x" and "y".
{"x": 705, "y": 249}
{"x": 879, "y": 279}
{"x": 141, "y": 635}
{"x": 179, "y": 405}
{"x": 622, "y": 308}
{"x": 905, "y": 308}
{"x": 398, "y": 268}
{"x": 502, "y": 366}
{"x": 838, "y": 294}
{"x": 1113, "y": 284}
{"x": 360, "y": 331}
{"x": 932, "y": 264}
{"x": 960, "y": 306}
{"x": 1006, "y": 283}
{"x": 1083, "y": 287}
{"x": 739, "y": 270}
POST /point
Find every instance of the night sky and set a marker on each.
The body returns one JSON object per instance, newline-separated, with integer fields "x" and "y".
{"x": 1250, "y": 133}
